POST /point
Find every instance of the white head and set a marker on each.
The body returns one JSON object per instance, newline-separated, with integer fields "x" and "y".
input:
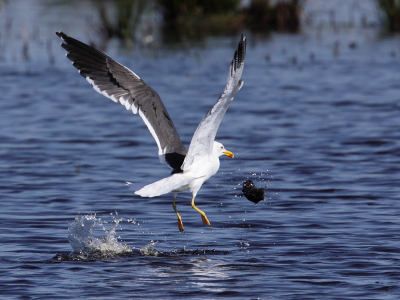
{"x": 219, "y": 149}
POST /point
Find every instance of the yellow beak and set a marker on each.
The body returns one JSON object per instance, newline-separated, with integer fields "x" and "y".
{"x": 229, "y": 154}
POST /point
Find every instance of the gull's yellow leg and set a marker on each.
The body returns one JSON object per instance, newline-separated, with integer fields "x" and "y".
{"x": 203, "y": 215}
{"x": 180, "y": 224}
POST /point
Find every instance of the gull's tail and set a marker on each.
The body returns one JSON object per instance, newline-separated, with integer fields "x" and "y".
{"x": 165, "y": 185}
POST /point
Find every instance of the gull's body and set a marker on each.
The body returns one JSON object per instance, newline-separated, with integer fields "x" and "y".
{"x": 192, "y": 167}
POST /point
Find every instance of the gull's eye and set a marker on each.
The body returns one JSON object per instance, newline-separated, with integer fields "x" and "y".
{"x": 222, "y": 147}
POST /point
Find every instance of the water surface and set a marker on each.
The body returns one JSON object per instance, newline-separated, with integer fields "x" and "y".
{"x": 322, "y": 131}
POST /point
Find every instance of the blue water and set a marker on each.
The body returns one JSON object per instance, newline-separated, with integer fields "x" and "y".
{"x": 322, "y": 131}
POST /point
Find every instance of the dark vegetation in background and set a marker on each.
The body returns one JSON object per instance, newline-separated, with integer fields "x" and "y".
{"x": 123, "y": 23}
{"x": 283, "y": 16}
{"x": 193, "y": 18}
{"x": 184, "y": 20}
{"x": 391, "y": 10}
{"x": 189, "y": 19}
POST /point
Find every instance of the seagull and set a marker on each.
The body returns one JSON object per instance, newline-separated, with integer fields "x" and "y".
{"x": 190, "y": 167}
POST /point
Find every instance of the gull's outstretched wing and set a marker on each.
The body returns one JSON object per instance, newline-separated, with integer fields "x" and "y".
{"x": 203, "y": 138}
{"x": 120, "y": 84}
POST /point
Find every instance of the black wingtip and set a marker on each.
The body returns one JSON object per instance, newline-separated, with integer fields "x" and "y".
{"x": 60, "y": 34}
{"x": 241, "y": 50}
{"x": 240, "y": 54}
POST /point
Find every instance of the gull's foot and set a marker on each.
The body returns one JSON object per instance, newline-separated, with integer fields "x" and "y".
{"x": 180, "y": 225}
{"x": 205, "y": 220}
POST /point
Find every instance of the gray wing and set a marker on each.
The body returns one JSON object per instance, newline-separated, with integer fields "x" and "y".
{"x": 120, "y": 84}
{"x": 203, "y": 138}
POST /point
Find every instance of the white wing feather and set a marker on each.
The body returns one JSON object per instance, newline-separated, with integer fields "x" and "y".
{"x": 202, "y": 141}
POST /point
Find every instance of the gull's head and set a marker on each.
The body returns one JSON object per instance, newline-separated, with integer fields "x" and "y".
{"x": 219, "y": 149}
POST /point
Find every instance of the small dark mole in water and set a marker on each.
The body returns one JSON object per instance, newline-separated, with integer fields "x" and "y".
{"x": 252, "y": 193}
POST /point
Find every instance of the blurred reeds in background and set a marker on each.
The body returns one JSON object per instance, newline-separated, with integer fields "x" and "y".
{"x": 194, "y": 18}
{"x": 119, "y": 18}
{"x": 155, "y": 23}
{"x": 188, "y": 19}
{"x": 183, "y": 20}
{"x": 281, "y": 16}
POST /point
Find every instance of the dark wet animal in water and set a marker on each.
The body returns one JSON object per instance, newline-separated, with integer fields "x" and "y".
{"x": 252, "y": 193}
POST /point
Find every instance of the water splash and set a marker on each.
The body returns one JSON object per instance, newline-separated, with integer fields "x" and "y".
{"x": 149, "y": 249}
{"x": 85, "y": 243}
